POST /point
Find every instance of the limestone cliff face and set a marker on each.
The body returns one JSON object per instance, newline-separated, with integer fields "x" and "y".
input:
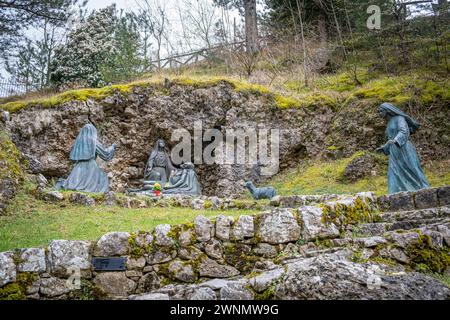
{"x": 136, "y": 120}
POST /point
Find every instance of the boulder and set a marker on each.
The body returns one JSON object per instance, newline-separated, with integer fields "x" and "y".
{"x": 148, "y": 282}
{"x": 426, "y": 198}
{"x": 204, "y": 228}
{"x": 443, "y": 194}
{"x": 162, "y": 237}
{"x": 160, "y": 256}
{"x": 32, "y": 260}
{"x": 82, "y": 198}
{"x": 279, "y": 226}
{"x": 112, "y": 244}
{"x": 212, "y": 269}
{"x": 401, "y": 201}
{"x": 313, "y": 227}
{"x": 182, "y": 271}
{"x": 52, "y": 196}
{"x": 115, "y": 284}
{"x": 7, "y": 268}
{"x": 64, "y": 255}
{"x": 264, "y": 280}
{"x": 328, "y": 277}
{"x": 265, "y": 250}
{"x": 223, "y": 227}
{"x": 214, "y": 249}
{"x": 243, "y": 228}
{"x": 235, "y": 291}
{"x": 53, "y": 287}
{"x": 202, "y": 294}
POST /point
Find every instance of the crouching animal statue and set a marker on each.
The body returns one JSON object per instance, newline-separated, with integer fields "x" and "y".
{"x": 260, "y": 193}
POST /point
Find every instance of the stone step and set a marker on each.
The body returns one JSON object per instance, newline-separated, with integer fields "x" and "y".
{"x": 422, "y": 214}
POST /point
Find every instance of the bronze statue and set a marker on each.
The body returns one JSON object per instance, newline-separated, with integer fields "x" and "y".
{"x": 158, "y": 167}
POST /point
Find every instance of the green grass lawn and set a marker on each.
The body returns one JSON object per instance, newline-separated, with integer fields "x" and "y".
{"x": 33, "y": 223}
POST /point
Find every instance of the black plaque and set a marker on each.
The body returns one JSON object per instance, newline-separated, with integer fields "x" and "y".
{"x": 109, "y": 264}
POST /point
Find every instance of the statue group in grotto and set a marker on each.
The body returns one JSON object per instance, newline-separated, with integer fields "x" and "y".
{"x": 404, "y": 169}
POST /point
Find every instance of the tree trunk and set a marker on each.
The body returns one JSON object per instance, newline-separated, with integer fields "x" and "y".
{"x": 251, "y": 26}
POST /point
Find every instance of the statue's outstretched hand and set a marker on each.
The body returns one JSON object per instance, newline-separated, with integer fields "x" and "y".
{"x": 380, "y": 149}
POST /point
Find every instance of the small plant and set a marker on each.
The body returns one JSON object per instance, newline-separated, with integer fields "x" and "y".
{"x": 157, "y": 187}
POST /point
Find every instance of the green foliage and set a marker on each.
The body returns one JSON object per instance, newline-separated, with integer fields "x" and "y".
{"x": 424, "y": 257}
{"x": 17, "y": 290}
{"x": 10, "y": 159}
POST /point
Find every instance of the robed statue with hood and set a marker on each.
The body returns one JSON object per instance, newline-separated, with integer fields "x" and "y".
{"x": 86, "y": 174}
{"x": 158, "y": 167}
{"x": 184, "y": 181}
{"x": 404, "y": 170}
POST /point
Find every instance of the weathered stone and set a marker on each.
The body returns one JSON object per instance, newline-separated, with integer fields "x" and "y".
{"x": 373, "y": 229}
{"x": 32, "y": 260}
{"x": 82, "y": 198}
{"x": 34, "y": 287}
{"x": 113, "y": 244}
{"x": 135, "y": 263}
{"x": 264, "y": 280}
{"x": 443, "y": 194}
{"x": 64, "y": 255}
{"x": 445, "y": 231}
{"x": 426, "y": 198}
{"x": 133, "y": 274}
{"x": 52, "y": 196}
{"x": 278, "y": 226}
{"x": 53, "y": 287}
{"x": 313, "y": 227}
{"x": 401, "y": 201}
{"x": 370, "y": 242}
{"x": 404, "y": 239}
{"x": 186, "y": 237}
{"x": 394, "y": 253}
{"x": 198, "y": 204}
{"x": 328, "y": 277}
{"x": 143, "y": 239}
{"x": 223, "y": 227}
{"x": 182, "y": 271}
{"x": 202, "y": 294}
{"x": 110, "y": 199}
{"x": 215, "y": 202}
{"x": 204, "y": 228}
{"x": 189, "y": 253}
{"x": 235, "y": 291}
{"x": 243, "y": 228}
{"x": 215, "y": 284}
{"x": 115, "y": 284}
{"x": 150, "y": 296}
{"x": 265, "y": 250}
{"x": 384, "y": 202}
{"x": 161, "y": 236}
{"x": 212, "y": 269}
{"x": 275, "y": 201}
{"x": 214, "y": 249}
{"x": 7, "y": 268}
{"x": 149, "y": 281}
{"x": 159, "y": 256}
{"x": 436, "y": 238}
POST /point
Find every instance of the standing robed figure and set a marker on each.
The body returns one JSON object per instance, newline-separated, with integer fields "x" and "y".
{"x": 404, "y": 170}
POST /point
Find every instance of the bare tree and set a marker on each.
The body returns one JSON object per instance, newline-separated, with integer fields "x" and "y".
{"x": 153, "y": 15}
{"x": 199, "y": 19}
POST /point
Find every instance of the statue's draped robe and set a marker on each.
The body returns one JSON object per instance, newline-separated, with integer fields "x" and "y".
{"x": 404, "y": 170}
{"x": 187, "y": 183}
{"x": 86, "y": 175}
{"x": 158, "y": 167}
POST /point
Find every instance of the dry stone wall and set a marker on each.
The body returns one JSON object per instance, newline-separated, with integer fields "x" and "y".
{"x": 285, "y": 253}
